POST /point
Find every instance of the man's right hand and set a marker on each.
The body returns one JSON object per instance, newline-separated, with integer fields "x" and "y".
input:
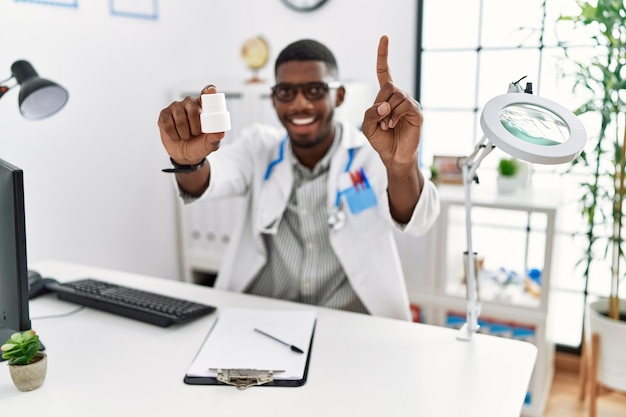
{"x": 181, "y": 133}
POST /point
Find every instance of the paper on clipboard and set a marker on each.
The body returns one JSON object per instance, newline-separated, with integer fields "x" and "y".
{"x": 232, "y": 343}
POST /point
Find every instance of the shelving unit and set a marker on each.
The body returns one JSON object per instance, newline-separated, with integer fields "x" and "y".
{"x": 511, "y": 235}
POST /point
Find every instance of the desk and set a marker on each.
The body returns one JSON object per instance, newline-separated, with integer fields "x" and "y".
{"x": 105, "y": 365}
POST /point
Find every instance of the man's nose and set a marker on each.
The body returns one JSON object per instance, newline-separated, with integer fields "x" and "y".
{"x": 300, "y": 99}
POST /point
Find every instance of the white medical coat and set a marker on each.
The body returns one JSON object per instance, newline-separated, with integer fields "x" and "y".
{"x": 365, "y": 245}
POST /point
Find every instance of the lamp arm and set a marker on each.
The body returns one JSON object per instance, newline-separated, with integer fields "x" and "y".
{"x": 483, "y": 148}
{"x": 472, "y": 162}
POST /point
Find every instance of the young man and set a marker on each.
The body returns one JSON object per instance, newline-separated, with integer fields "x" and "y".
{"x": 322, "y": 201}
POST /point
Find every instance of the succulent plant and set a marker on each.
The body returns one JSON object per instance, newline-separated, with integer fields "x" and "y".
{"x": 21, "y": 348}
{"x": 508, "y": 167}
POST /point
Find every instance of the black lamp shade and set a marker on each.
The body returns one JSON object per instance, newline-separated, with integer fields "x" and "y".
{"x": 39, "y": 98}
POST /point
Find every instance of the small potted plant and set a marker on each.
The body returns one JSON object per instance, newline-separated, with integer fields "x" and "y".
{"x": 508, "y": 169}
{"x": 27, "y": 364}
{"x": 434, "y": 174}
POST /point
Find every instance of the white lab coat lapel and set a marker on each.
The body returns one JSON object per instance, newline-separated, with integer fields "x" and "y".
{"x": 339, "y": 162}
{"x": 379, "y": 282}
{"x": 275, "y": 192}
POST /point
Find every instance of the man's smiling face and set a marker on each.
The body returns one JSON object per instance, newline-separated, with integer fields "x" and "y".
{"x": 309, "y": 123}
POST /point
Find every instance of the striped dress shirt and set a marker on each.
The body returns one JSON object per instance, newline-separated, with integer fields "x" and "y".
{"x": 302, "y": 265}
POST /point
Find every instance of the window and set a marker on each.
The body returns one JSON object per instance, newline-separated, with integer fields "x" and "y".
{"x": 468, "y": 52}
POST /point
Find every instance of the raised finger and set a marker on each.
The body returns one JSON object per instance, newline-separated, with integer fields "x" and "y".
{"x": 382, "y": 66}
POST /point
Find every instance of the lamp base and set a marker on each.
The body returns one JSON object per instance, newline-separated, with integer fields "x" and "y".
{"x": 465, "y": 333}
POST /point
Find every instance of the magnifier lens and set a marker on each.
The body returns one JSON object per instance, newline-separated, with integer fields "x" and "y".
{"x": 534, "y": 124}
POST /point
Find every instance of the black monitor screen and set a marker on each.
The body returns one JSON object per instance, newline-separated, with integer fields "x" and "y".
{"x": 14, "y": 313}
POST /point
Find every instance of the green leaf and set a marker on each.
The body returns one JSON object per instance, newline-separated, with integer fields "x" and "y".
{"x": 7, "y": 347}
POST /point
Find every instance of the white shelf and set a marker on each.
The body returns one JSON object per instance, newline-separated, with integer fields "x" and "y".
{"x": 493, "y": 292}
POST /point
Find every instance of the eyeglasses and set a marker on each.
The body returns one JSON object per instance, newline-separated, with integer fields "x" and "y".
{"x": 313, "y": 91}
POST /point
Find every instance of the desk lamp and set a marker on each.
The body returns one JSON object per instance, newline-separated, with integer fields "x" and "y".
{"x": 39, "y": 98}
{"x": 529, "y": 128}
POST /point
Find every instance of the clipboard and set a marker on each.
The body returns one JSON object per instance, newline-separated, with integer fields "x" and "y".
{"x": 233, "y": 353}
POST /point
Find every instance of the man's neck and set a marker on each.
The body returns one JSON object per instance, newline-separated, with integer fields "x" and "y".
{"x": 309, "y": 157}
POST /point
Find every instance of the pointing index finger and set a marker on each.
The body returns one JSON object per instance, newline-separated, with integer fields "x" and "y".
{"x": 382, "y": 66}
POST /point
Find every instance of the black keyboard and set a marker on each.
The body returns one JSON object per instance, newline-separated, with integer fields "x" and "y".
{"x": 129, "y": 302}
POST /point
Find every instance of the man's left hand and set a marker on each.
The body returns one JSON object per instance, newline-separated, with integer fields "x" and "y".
{"x": 393, "y": 124}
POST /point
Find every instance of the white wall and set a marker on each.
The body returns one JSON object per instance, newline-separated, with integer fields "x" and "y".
{"x": 94, "y": 190}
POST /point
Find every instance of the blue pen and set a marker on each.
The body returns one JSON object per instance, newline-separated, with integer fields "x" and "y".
{"x": 365, "y": 181}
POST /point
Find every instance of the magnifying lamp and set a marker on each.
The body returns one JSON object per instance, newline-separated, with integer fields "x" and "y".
{"x": 39, "y": 98}
{"x": 529, "y": 128}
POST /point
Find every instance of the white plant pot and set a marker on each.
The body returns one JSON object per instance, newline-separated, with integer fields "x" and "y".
{"x": 30, "y": 377}
{"x": 507, "y": 185}
{"x": 612, "y": 355}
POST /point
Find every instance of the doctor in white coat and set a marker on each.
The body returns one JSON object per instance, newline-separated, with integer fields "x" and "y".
{"x": 322, "y": 197}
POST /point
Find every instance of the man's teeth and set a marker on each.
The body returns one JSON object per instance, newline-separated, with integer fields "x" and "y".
{"x": 303, "y": 121}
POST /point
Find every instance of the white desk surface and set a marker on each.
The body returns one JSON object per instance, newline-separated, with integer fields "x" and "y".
{"x": 101, "y": 364}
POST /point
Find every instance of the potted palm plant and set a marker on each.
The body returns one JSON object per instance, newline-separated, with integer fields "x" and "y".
{"x": 27, "y": 364}
{"x": 603, "y": 76}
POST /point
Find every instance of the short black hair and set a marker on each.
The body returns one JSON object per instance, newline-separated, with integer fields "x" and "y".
{"x": 307, "y": 50}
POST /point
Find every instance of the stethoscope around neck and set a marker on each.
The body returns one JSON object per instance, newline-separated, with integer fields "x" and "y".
{"x": 336, "y": 216}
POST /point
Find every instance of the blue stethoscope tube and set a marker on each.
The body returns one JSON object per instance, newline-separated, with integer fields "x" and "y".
{"x": 278, "y": 160}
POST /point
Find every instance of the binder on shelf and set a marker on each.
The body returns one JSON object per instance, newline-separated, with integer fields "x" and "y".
{"x": 197, "y": 226}
{"x": 248, "y": 347}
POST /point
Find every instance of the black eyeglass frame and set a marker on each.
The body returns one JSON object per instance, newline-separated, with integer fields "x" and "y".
{"x": 324, "y": 87}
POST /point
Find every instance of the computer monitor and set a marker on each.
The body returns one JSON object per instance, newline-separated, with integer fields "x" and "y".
{"x": 14, "y": 311}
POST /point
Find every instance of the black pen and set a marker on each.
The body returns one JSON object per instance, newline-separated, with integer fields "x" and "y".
{"x": 292, "y": 347}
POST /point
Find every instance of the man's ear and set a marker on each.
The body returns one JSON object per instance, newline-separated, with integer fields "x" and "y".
{"x": 339, "y": 96}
